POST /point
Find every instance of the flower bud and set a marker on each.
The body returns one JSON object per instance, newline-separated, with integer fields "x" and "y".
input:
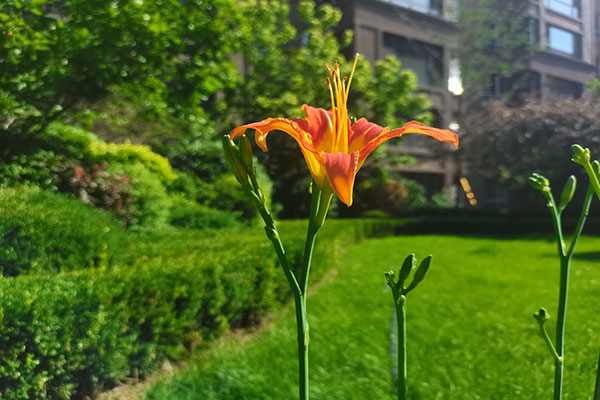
{"x": 541, "y": 316}
{"x": 580, "y": 155}
{"x": 420, "y": 273}
{"x": 407, "y": 267}
{"x": 389, "y": 277}
{"x": 568, "y": 191}
{"x": 233, "y": 159}
{"x": 246, "y": 153}
{"x": 596, "y": 167}
{"x": 539, "y": 182}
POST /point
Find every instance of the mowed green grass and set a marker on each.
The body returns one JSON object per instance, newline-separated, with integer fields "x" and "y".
{"x": 471, "y": 334}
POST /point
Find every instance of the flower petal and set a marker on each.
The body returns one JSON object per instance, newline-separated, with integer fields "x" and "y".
{"x": 341, "y": 170}
{"x": 320, "y": 127}
{"x": 313, "y": 158}
{"x": 363, "y": 132}
{"x": 442, "y": 135}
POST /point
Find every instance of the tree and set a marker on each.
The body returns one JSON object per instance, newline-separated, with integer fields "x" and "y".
{"x": 508, "y": 144}
{"x": 495, "y": 47}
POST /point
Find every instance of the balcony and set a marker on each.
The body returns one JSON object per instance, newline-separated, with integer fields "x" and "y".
{"x": 430, "y": 7}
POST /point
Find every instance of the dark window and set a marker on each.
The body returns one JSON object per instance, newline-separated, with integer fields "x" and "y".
{"x": 433, "y": 7}
{"x": 426, "y": 60}
{"x": 567, "y": 7}
{"x": 563, "y": 88}
{"x": 533, "y": 30}
{"x": 517, "y": 88}
{"x": 564, "y": 41}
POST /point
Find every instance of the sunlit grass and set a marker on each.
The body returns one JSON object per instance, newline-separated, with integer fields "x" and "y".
{"x": 471, "y": 334}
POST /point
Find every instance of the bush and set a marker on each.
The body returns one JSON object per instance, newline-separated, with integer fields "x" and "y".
{"x": 41, "y": 231}
{"x": 69, "y": 335}
{"x": 189, "y": 214}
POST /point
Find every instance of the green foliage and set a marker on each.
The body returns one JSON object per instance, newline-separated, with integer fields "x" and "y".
{"x": 56, "y": 58}
{"x": 42, "y": 231}
{"x": 508, "y": 144}
{"x": 71, "y": 334}
{"x": 493, "y": 43}
{"x": 189, "y": 214}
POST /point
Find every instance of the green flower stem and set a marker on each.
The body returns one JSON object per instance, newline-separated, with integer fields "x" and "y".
{"x": 557, "y": 358}
{"x": 318, "y": 212}
{"x": 565, "y": 263}
{"x": 298, "y": 281}
{"x": 303, "y": 339}
{"x": 402, "y": 362}
{"x": 594, "y": 179}
{"x": 240, "y": 159}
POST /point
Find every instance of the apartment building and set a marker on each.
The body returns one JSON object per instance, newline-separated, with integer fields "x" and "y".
{"x": 422, "y": 35}
{"x": 565, "y": 35}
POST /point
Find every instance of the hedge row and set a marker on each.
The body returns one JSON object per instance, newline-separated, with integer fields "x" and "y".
{"x": 75, "y": 333}
{"x": 46, "y": 232}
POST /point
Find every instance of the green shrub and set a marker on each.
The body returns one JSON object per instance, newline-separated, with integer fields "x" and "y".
{"x": 225, "y": 193}
{"x": 189, "y": 214}
{"x": 44, "y": 231}
{"x": 74, "y": 333}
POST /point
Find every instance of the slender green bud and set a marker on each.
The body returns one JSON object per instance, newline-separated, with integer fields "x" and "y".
{"x": 596, "y": 167}
{"x": 420, "y": 273}
{"x": 541, "y": 316}
{"x": 580, "y": 155}
{"x": 246, "y": 154}
{"x": 568, "y": 192}
{"x": 407, "y": 267}
{"x": 233, "y": 159}
{"x": 539, "y": 182}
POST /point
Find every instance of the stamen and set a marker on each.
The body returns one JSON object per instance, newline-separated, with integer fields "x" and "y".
{"x": 352, "y": 74}
{"x": 332, "y": 101}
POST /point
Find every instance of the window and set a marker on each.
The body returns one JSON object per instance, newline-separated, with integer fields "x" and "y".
{"x": 564, "y": 41}
{"x": 567, "y": 7}
{"x": 561, "y": 88}
{"x": 433, "y": 7}
{"x": 533, "y": 29}
{"x": 426, "y": 60}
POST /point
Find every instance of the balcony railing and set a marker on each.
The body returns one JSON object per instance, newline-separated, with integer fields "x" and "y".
{"x": 431, "y": 7}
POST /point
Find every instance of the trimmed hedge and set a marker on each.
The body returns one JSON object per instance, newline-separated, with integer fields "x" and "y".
{"x": 72, "y": 334}
{"x": 42, "y": 231}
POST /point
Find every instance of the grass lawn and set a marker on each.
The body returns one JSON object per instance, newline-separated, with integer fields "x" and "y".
{"x": 471, "y": 334}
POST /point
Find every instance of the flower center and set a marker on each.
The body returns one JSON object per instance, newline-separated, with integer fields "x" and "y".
{"x": 338, "y": 89}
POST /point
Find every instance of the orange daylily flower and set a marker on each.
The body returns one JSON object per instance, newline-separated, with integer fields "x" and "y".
{"x": 333, "y": 147}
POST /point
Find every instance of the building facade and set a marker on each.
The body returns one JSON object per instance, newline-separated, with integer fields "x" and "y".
{"x": 565, "y": 36}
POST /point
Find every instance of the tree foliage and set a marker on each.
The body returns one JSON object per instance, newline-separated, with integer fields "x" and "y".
{"x": 177, "y": 74}
{"x": 508, "y": 144}
{"x": 494, "y": 45}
